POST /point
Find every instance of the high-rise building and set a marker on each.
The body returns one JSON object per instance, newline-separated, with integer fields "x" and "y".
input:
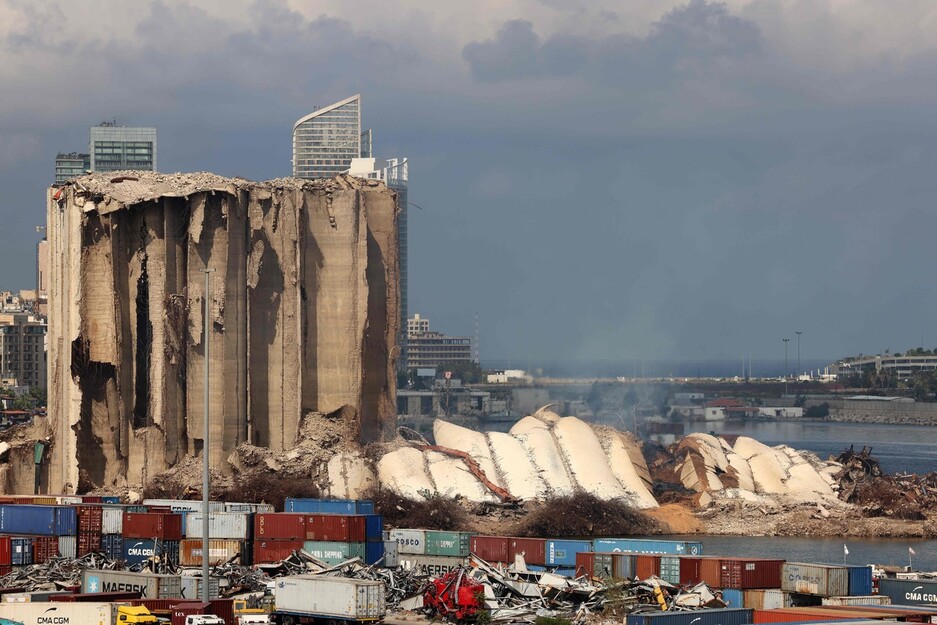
{"x": 426, "y": 349}
{"x": 395, "y": 174}
{"x": 23, "y": 348}
{"x": 71, "y": 165}
{"x": 114, "y": 147}
{"x": 326, "y": 140}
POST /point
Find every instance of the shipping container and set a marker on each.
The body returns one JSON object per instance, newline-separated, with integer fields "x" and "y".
{"x": 727, "y": 616}
{"x": 313, "y": 596}
{"x": 646, "y": 545}
{"x": 67, "y": 546}
{"x": 6, "y": 553}
{"x": 860, "y": 581}
{"x": 149, "y": 585}
{"x": 219, "y": 551}
{"x": 44, "y": 548}
{"x": 226, "y": 525}
{"x": 534, "y": 550}
{"x": 908, "y": 591}
{"x": 391, "y": 555}
{"x": 409, "y": 541}
{"x": 178, "y": 505}
{"x": 732, "y": 597}
{"x": 815, "y": 579}
{"x": 594, "y": 565}
{"x": 138, "y": 550}
{"x": 153, "y": 525}
{"x": 623, "y": 566}
{"x": 279, "y": 526}
{"x": 328, "y": 506}
{"x": 113, "y": 546}
{"x": 110, "y": 499}
{"x": 88, "y": 542}
{"x": 491, "y": 548}
{"x": 48, "y": 613}
{"x": 334, "y": 552}
{"x": 811, "y": 614}
{"x": 563, "y": 552}
{"x": 225, "y": 609}
{"x": 112, "y": 520}
{"x": 335, "y": 527}
{"x": 646, "y": 566}
{"x": 670, "y": 569}
{"x": 89, "y": 518}
{"x": 867, "y": 600}
{"x": 38, "y": 520}
{"x": 269, "y": 551}
{"x": 373, "y": 552}
{"x": 161, "y": 607}
{"x": 448, "y": 543}
{"x": 36, "y": 596}
{"x": 180, "y": 611}
{"x": 253, "y": 508}
{"x": 81, "y": 597}
{"x": 750, "y": 573}
{"x": 766, "y": 599}
{"x": 374, "y": 527}
{"x": 21, "y": 551}
{"x": 434, "y": 566}
{"x": 191, "y": 587}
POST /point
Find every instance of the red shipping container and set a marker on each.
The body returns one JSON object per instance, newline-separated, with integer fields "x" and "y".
{"x": 152, "y": 525}
{"x": 534, "y": 550}
{"x": 6, "y": 569}
{"x": 797, "y": 615}
{"x": 45, "y": 548}
{"x": 344, "y": 528}
{"x": 162, "y": 607}
{"x": 696, "y": 569}
{"x": 88, "y": 542}
{"x": 106, "y": 597}
{"x": 89, "y": 518}
{"x": 646, "y": 566}
{"x": 225, "y": 609}
{"x": 269, "y": 551}
{"x": 280, "y": 526}
{"x": 491, "y": 548}
{"x": 6, "y": 555}
{"x": 92, "y": 499}
{"x": 585, "y": 564}
{"x": 751, "y": 573}
{"x": 182, "y": 610}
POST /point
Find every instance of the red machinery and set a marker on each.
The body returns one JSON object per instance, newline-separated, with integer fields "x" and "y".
{"x": 455, "y": 596}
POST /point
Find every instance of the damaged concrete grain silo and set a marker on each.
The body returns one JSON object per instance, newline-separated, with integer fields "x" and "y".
{"x": 304, "y": 303}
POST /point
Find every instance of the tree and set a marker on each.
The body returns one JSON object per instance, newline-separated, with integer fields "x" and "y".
{"x": 468, "y": 372}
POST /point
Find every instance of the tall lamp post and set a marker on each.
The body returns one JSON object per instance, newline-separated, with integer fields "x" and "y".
{"x": 786, "y": 341}
{"x": 798, "y": 352}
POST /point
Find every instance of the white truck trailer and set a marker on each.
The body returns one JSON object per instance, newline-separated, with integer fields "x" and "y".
{"x": 315, "y": 598}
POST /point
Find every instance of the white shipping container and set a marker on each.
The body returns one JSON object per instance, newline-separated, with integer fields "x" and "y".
{"x": 184, "y": 505}
{"x": 248, "y": 507}
{"x": 68, "y": 500}
{"x": 149, "y": 585}
{"x": 409, "y": 541}
{"x": 815, "y": 579}
{"x": 112, "y": 521}
{"x": 435, "y": 566}
{"x": 68, "y": 546}
{"x": 78, "y": 613}
{"x": 867, "y": 600}
{"x": 227, "y": 525}
{"x": 391, "y": 555}
{"x": 192, "y": 587}
{"x": 336, "y": 597}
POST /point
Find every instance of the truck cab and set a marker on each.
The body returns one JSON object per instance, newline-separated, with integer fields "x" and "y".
{"x": 203, "y": 619}
{"x": 130, "y": 614}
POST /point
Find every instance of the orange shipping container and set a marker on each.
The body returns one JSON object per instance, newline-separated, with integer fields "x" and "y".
{"x": 647, "y": 566}
{"x": 190, "y": 551}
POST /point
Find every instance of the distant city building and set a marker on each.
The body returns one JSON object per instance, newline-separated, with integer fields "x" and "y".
{"x": 903, "y": 366}
{"x": 426, "y": 348}
{"x": 114, "y": 147}
{"x": 42, "y": 273}
{"x": 326, "y": 140}
{"x": 395, "y": 174}
{"x": 71, "y": 165}
{"x": 23, "y": 348}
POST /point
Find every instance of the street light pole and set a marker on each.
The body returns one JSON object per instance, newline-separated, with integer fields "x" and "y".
{"x": 785, "y": 364}
{"x": 798, "y": 351}
{"x": 206, "y": 474}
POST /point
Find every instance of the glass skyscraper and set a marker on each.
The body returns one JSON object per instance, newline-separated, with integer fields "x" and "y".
{"x": 116, "y": 147}
{"x": 325, "y": 141}
{"x": 71, "y": 165}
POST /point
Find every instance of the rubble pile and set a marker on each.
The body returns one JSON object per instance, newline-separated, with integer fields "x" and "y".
{"x": 908, "y": 497}
{"x": 55, "y": 574}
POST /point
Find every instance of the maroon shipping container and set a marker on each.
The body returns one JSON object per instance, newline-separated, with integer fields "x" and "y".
{"x": 585, "y": 564}
{"x": 45, "y": 548}
{"x": 162, "y": 607}
{"x": 696, "y": 569}
{"x": 534, "y": 550}
{"x": 225, "y": 609}
{"x": 269, "y": 551}
{"x": 92, "y": 499}
{"x": 646, "y": 566}
{"x": 491, "y": 548}
{"x": 344, "y": 528}
{"x": 89, "y": 518}
{"x": 182, "y": 610}
{"x": 280, "y": 526}
{"x": 751, "y": 573}
{"x": 153, "y": 525}
{"x": 88, "y": 543}
{"x": 106, "y": 597}
{"x": 6, "y": 555}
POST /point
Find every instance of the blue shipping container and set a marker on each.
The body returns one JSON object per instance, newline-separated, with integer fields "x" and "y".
{"x": 113, "y": 546}
{"x": 328, "y": 506}
{"x": 110, "y": 499}
{"x": 373, "y": 551}
{"x": 645, "y": 545}
{"x": 563, "y": 552}
{"x": 732, "y": 597}
{"x": 139, "y": 550}
{"x": 374, "y": 527}
{"x": 21, "y": 551}
{"x": 726, "y": 616}
{"x": 860, "y": 581}
{"x": 38, "y": 520}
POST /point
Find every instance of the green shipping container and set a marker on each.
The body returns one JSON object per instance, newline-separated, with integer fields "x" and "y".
{"x": 334, "y": 552}
{"x": 670, "y": 570}
{"x": 448, "y": 543}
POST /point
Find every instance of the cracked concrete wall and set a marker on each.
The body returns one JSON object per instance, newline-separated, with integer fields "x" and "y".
{"x": 303, "y": 308}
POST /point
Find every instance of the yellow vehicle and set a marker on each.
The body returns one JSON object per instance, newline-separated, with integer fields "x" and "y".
{"x": 134, "y": 614}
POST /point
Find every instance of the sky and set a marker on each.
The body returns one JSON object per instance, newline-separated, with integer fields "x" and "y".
{"x": 596, "y": 179}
